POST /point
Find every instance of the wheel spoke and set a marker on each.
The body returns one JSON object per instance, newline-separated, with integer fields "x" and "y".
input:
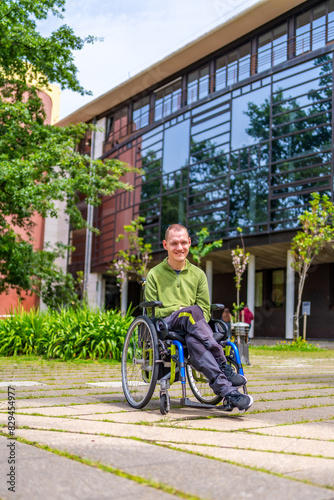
{"x": 139, "y": 368}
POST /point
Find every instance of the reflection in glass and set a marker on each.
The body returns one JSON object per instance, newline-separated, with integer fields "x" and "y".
{"x": 212, "y": 133}
{"x": 149, "y": 139}
{"x": 277, "y": 293}
{"x": 224, "y": 99}
{"x": 249, "y": 197}
{"x": 175, "y": 180}
{"x": 221, "y": 73}
{"x": 203, "y": 151}
{"x": 272, "y": 48}
{"x": 319, "y": 27}
{"x": 300, "y": 170}
{"x": 250, "y": 118}
{"x": 264, "y": 52}
{"x": 213, "y": 122}
{"x": 288, "y": 209}
{"x": 303, "y": 33}
{"x": 174, "y": 209}
{"x": 141, "y": 113}
{"x": 258, "y": 289}
{"x": 198, "y": 84}
{"x": 203, "y": 82}
{"x": 330, "y": 18}
{"x": 117, "y": 126}
{"x": 167, "y": 100}
{"x": 280, "y": 39}
{"x": 206, "y": 170}
{"x": 176, "y": 146}
{"x": 232, "y": 67}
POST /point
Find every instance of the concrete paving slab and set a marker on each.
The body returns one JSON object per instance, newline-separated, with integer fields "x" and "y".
{"x": 41, "y": 474}
{"x": 323, "y": 430}
{"x": 207, "y": 478}
{"x": 317, "y": 470}
{"x": 290, "y": 403}
{"x": 129, "y": 417}
{"x": 40, "y": 402}
{"x": 269, "y": 418}
{"x": 298, "y": 394}
{"x": 79, "y": 410}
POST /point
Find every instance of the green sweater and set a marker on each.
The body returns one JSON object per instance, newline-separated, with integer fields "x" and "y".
{"x": 188, "y": 288}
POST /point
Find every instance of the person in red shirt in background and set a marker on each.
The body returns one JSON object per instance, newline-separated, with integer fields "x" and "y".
{"x": 247, "y": 316}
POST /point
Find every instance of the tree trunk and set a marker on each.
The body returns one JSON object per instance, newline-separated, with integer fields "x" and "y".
{"x": 301, "y": 284}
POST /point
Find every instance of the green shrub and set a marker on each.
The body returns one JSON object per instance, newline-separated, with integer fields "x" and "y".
{"x": 19, "y": 333}
{"x": 67, "y": 334}
{"x": 296, "y": 345}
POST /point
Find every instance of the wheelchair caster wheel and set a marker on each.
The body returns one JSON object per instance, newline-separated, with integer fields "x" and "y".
{"x": 164, "y": 404}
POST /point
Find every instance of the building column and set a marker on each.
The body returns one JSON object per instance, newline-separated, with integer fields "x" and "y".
{"x": 92, "y": 285}
{"x": 57, "y": 230}
{"x": 209, "y": 275}
{"x": 94, "y": 290}
{"x": 289, "y": 297}
{"x": 124, "y": 296}
{"x": 251, "y": 289}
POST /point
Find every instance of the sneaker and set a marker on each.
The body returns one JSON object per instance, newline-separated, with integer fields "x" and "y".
{"x": 238, "y": 400}
{"x": 235, "y": 378}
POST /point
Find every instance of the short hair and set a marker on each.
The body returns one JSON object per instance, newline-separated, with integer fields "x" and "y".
{"x": 175, "y": 227}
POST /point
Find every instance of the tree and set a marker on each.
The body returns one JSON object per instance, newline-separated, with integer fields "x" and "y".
{"x": 240, "y": 260}
{"x": 39, "y": 164}
{"x": 200, "y": 250}
{"x": 135, "y": 258}
{"x": 317, "y": 231}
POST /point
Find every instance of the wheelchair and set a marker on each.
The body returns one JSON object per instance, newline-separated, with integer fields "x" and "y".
{"x": 152, "y": 354}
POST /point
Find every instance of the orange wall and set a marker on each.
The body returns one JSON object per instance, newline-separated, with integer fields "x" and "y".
{"x": 11, "y": 300}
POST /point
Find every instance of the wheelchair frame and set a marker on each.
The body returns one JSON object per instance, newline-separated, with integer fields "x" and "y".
{"x": 154, "y": 350}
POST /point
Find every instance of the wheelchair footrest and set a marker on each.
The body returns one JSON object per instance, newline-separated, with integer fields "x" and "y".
{"x": 194, "y": 404}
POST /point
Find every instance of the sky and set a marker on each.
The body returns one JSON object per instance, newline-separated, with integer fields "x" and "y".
{"x": 136, "y": 35}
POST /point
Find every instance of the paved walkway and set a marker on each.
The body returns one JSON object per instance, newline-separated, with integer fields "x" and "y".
{"x": 80, "y": 440}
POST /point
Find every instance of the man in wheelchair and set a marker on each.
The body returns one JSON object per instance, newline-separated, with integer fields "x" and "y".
{"x": 183, "y": 290}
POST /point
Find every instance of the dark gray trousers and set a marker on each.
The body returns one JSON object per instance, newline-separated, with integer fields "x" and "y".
{"x": 205, "y": 352}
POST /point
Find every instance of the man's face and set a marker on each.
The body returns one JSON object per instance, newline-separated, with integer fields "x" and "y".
{"x": 177, "y": 246}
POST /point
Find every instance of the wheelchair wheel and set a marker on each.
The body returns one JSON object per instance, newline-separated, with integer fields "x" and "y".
{"x": 139, "y": 362}
{"x": 200, "y": 388}
{"x": 231, "y": 361}
{"x": 199, "y": 384}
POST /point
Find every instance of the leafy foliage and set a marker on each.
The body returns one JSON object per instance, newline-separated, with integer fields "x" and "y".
{"x": 317, "y": 231}
{"x": 40, "y": 166}
{"x": 28, "y": 55}
{"x": 68, "y": 334}
{"x": 201, "y": 250}
{"x": 136, "y": 257}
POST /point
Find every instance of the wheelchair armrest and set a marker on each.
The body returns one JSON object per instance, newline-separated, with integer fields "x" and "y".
{"x": 217, "y": 307}
{"x": 153, "y": 303}
{"x": 220, "y": 329}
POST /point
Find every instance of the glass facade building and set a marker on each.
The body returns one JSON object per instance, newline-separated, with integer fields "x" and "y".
{"x": 240, "y": 139}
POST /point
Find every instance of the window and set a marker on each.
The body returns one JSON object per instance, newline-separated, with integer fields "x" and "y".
{"x": 198, "y": 84}
{"x": 277, "y": 288}
{"x": 311, "y": 30}
{"x": 176, "y": 146}
{"x": 272, "y": 48}
{"x": 248, "y": 112}
{"x": 117, "y": 126}
{"x": 233, "y": 67}
{"x": 141, "y": 113}
{"x": 258, "y": 289}
{"x": 167, "y": 100}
